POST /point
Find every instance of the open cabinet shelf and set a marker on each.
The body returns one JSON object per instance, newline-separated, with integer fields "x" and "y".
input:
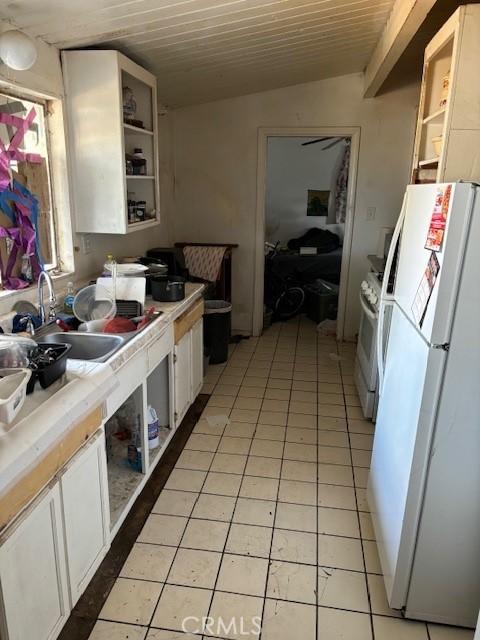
{"x": 436, "y": 117}
{"x": 130, "y": 456}
{"x": 130, "y": 128}
{"x": 123, "y": 441}
{"x": 432, "y": 162}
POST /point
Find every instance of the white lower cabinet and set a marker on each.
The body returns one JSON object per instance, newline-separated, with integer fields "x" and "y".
{"x": 183, "y": 376}
{"x": 188, "y": 368}
{"x": 51, "y": 551}
{"x": 197, "y": 357}
{"x": 33, "y": 572}
{"x": 48, "y": 556}
{"x": 84, "y": 490}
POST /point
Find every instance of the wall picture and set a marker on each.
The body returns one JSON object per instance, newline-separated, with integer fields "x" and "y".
{"x": 317, "y": 202}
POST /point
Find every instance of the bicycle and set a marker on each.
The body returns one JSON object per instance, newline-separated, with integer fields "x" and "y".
{"x": 283, "y": 297}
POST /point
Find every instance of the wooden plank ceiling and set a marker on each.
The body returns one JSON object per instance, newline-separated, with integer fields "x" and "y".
{"x": 204, "y": 50}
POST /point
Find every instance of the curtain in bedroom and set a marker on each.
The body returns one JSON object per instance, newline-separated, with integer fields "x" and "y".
{"x": 341, "y": 185}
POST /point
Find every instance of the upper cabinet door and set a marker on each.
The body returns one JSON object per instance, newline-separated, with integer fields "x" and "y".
{"x": 84, "y": 489}
{"x": 33, "y": 574}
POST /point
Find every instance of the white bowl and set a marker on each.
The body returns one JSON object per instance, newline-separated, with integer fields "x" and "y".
{"x": 127, "y": 269}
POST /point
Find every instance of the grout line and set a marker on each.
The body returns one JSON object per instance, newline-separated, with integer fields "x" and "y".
{"x": 274, "y": 522}
{"x": 235, "y": 593}
{"x": 243, "y": 555}
{"x": 226, "y": 537}
{"x": 317, "y": 617}
{"x": 181, "y": 538}
{"x": 360, "y": 530}
{"x": 229, "y": 495}
{"x": 284, "y": 343}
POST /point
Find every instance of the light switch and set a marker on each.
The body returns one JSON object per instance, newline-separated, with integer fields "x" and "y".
{"x": 371, "y": 211}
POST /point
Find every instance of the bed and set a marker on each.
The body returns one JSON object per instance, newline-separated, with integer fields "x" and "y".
{"x": 306, "y": 269}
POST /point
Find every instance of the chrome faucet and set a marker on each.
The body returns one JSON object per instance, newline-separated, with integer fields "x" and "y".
{"x": 52, "y": 300}
{"x": 27, "y": 322}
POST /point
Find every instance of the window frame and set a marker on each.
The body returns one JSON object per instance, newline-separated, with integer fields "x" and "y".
{"x": 60, "y": 177}
{"x": 44, "y": 103}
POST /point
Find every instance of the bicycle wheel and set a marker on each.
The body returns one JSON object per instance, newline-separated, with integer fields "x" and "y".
{"x": 289, "y": 303}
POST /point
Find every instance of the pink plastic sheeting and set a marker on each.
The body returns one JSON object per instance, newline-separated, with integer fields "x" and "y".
{"x": 23, "y": 235}
{"x": 13, "y": 153}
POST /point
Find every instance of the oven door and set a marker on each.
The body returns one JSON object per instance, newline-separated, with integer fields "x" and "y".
{"x": 366, "y": 345}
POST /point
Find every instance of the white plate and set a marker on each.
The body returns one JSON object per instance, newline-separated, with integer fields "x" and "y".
{"x": 128, "y": 269}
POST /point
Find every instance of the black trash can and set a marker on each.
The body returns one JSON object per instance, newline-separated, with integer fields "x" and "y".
{"x": 321, "y": 300}
{"x": 217, "y": 329}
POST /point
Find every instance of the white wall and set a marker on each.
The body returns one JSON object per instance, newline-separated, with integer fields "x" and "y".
{"x": 46, "y": 77}
{"x": 216, "y": 169}
{"x": 293, "y": 169}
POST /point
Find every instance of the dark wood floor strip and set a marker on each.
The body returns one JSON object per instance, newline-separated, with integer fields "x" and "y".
{"x": 86, "y": 611}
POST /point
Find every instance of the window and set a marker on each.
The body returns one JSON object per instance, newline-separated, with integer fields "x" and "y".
{"x": 24, "y": 156}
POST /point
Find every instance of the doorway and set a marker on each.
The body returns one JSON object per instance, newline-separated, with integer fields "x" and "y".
{"x": 305, "y": 193}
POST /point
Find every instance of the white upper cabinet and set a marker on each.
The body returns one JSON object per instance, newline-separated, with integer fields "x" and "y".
{"x": 448, "y": 128}
{"x": 102, "y": 136}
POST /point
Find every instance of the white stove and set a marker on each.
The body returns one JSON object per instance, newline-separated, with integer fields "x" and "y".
{"x": 366, "y": 357}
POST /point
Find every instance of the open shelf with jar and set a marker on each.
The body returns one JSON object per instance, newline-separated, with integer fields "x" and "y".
{"x": 140, "y": 424}
{"x": 448, "y": 126}
{"x": 124, "y": 442}
{"x": 112, "y": 108}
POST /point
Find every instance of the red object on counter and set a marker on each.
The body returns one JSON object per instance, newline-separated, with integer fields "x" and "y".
{"x": 146, "y": 318}
{"x": 63, "y": 325}
{"x": 119, "y": 325}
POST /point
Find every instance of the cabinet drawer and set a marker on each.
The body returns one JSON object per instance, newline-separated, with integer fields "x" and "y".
{"x": 160, "y": 348}
{"x": 186, "y": 321}
{"x": 14, "y": 500}
{"x": 129, "y": 377}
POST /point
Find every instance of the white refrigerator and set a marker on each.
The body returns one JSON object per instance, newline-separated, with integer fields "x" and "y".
{"x": 424, "y": 484}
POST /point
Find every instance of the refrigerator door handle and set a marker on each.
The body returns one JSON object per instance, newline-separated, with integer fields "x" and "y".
{"x": 384, "y": 297}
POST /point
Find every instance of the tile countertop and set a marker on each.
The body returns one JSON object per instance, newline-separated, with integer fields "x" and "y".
{"x": 48, "y": 414}
{"x": 171, "y": 311}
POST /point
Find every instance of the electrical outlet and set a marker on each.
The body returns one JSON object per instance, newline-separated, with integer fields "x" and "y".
{"x": 371, "y": 211}
{"x": 86, "y": 243}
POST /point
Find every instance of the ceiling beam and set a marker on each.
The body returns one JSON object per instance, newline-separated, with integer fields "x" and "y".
{"x": 404, "y": 21}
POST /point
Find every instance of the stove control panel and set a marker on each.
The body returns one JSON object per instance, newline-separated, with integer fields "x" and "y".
{"x": 371, "y": 292}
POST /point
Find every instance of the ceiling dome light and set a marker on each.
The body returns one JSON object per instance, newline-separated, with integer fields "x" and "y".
{"x": 17, "y": 50}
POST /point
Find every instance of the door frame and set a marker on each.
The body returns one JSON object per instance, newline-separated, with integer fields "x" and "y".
{"x": 299, "y": 132}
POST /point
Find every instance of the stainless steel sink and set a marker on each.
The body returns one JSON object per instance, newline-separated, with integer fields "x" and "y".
{"x": 96, "y": 347}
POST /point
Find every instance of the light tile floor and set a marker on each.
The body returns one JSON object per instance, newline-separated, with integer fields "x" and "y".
{"x": 265, "y": 514}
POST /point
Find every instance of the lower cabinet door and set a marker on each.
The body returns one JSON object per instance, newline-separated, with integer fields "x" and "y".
{"x": 84, "y": 488}
{"x": 33, "y": 575}
{"x": 183, "y": 384}
{"x": 197, "y": 358}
